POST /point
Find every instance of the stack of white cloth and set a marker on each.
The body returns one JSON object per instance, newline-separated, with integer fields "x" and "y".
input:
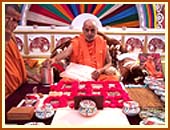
{"x": 78, "y": 72}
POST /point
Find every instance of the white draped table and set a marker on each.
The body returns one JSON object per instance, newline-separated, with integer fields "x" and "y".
{"x": 108, "y": 117}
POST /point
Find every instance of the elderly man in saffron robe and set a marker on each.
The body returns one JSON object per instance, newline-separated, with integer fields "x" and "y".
{"x": 89, "y": 49}
{"x": 15, "y": 71}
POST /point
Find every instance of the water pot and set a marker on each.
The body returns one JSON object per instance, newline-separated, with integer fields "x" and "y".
{"x": 46, "y": 71}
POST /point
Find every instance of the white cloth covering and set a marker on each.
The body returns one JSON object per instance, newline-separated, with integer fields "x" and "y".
{"x": 108, "y": 117}
{"x": 78, "y": 72}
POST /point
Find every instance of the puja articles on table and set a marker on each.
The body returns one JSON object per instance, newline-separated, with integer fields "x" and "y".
{"x": 20, "y": 113}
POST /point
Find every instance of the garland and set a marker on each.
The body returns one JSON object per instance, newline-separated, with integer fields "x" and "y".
{"x": 113, "y": 93}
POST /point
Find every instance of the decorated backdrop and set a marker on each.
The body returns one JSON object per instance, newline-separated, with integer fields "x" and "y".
{"x": 114, "y": 15}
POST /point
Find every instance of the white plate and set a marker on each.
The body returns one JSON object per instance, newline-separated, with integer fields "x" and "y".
{"x": 44, "y": 114}
{"x": 34, "y": 123}
{"x": 159, "y": 93}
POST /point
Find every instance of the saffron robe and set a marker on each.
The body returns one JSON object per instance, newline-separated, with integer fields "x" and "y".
{"x": 15, "y": 71}
{"x": 91, "y": 54}
{"x": 151, "y": 68}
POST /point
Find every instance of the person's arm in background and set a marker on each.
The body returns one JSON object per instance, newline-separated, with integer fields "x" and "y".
{"x": 34, "y": 77}
{"x": 64, "y": 54}
{"x": 108, "y": 63}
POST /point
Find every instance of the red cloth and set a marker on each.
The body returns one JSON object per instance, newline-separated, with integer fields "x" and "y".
{"x": 151, "y": 68}
{"x": 112, "y": 91}
{"x": 58, "y": 67}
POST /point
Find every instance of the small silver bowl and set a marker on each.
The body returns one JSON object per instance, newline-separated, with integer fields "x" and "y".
{"x": 131, "y": 108}
{"x": 87, "y": 108}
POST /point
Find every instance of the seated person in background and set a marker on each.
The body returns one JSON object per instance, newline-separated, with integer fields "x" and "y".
{"x": 15, "y": 71}
{"x": 89, "y": 49}
{"x": 150, "y": 66}
{"x": 129, "y": 70}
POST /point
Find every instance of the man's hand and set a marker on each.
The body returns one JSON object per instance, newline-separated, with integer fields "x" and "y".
{"x": 12, "y": 18}
{"x": 95, "y": 74}
{"x": 8, "y": 28}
